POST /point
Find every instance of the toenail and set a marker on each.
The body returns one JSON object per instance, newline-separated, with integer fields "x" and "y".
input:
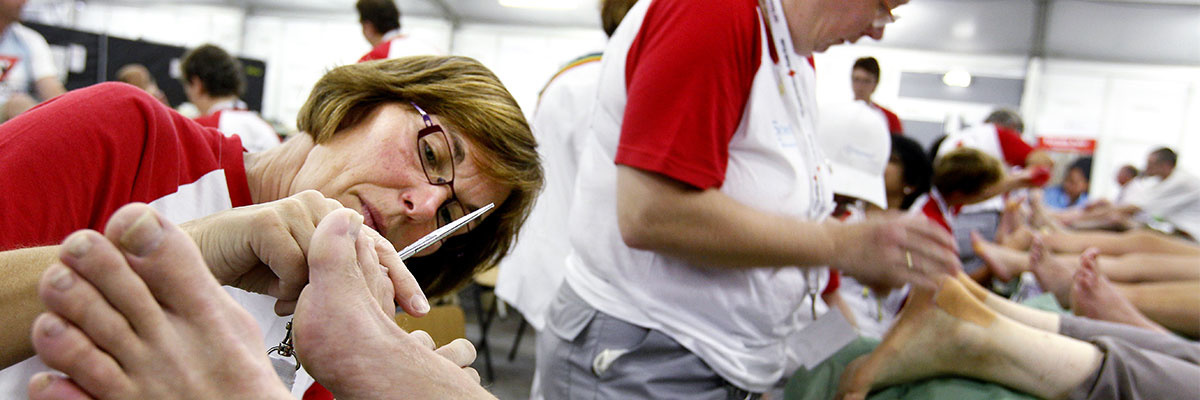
{"x": 144, "y": 235}
{"x": 79, "y": 245}
{"x": 60, "y": 278}
{"x": 40, "y": 382}
{"x": 53, "y": 326}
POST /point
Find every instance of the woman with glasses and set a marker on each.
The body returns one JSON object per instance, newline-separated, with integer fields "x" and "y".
{"x": 407, "y": 145}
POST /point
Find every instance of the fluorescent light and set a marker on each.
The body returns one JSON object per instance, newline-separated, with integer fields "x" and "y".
{"x": 957, "y": 78}
{"x": 542, "y": 4}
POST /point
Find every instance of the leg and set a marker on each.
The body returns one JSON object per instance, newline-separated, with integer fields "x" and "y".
{"x": 951, "y": 333}
{"x": 1093, "y": 296}
{"x": 136, "y": 314}
{"x": 1175, "y": 305}
{"x": 1150, "y": 267}
{"x": 1088, "y": 329}
{"x": 1114, "y": 244}
{"x": 1042, "y": 320}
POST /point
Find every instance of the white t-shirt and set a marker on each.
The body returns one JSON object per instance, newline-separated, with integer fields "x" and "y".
{"x": 232, "y": 118}
{"x": 24, "y": 58}
{"x": 736, "y": 320}
{"x": 1175, "y": 200}
{"x": 531, "y": 273}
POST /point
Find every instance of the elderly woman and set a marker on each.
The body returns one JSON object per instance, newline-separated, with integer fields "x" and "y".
{"x": 409, "y": 144}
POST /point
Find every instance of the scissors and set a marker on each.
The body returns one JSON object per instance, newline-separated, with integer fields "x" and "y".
{"x": 443, "y": 232}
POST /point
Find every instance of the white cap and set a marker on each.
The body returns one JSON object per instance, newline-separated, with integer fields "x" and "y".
{"x": 855, "y": 137}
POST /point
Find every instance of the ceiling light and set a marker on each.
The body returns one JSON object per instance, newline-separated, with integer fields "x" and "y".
{"x": 957, "y": 78}
{"x": 542, "y": 4}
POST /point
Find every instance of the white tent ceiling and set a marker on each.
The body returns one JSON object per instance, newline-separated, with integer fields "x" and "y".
{"x": 1140, "y": 31}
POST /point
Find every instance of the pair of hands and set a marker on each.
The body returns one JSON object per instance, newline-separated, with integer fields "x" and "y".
{"x": 265, "y": 248}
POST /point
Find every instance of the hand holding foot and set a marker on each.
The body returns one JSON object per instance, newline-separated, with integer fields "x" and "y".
{"x": 136, "y": 314}
{"x": 352, "y": 347}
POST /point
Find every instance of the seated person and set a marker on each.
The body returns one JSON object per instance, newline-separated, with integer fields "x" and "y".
{"x": 1073, "y": 192}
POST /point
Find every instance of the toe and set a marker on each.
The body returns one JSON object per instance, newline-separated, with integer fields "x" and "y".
{"x": 66, "y": 294}
{"x": 50, "y": 386}
{"x": 165, "y": 257}
{"x": 92, "y": 257}
{"x": 64, "y": 347}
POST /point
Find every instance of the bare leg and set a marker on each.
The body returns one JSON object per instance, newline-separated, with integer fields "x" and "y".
{"x": 136, "y": 314}
{"x": 1055, "y": 277}
{"x": 1175, "y": 305}
{"x": 1041, "y": 218}
{"x": 1095, "y": 297}
{"x": 951, "y": 333}
{"x": 1115, "y": 244}
{"x": 1043, "y": 320}
{"x": 1010, "y": 220}
{"x": 1004, "y": 262}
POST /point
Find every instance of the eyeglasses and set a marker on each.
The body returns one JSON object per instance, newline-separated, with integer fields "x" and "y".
{"x": 437, "y": 160}
{"x": 884, "y": 16}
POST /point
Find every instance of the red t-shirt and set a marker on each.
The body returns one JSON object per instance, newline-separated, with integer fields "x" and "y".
{"x": 893, "y": 121}
{"x": 1015, "y": 150}
{"x": 379, "y": 52}
{"x": 71, "y": 162}
{"x": 685, "y": 134}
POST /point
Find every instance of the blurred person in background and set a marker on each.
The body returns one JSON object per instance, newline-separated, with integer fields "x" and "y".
{"x": 864, "y": 79}
{"x": 214, "y": 82}
{"x": 380, "y": 20}
{"x": 27, "y": 71}
{"x": 138, "y": 75}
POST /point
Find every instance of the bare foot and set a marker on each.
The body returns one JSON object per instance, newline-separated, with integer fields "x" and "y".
{"x": 1053, "y": 276}
{"x": 1019, "y": 239}
{"x": 952, "y": 333}
{"x": 1005, "y": 263}
{"x": 136, "y": 314}
{"x": 932, "y": 334}
{"x": 338, "y": 316}
{"x": 1040, "y": 218}
{"x": 1095, "y": 297}
{"x": 1010, "y": 219}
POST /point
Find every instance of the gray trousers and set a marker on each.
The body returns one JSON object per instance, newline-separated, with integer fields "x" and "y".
{"x": 587, "y": 354}
{"x": 1138, "y": 363}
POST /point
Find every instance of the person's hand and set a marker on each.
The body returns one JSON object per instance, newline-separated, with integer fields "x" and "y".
{"x": 878, "y": 250}
{"x": 263, "y": 249}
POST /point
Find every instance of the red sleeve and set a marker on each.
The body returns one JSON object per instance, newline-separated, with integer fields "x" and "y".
{"x": 835, "y": 282}
{"x": 317, "y": 392}
{"x": 380, "y": 52}
{"x": 894, "y": 125}
{"x": 688, "y": 77}
{"x": 69, "y": 163}
{"x": 1014, "y": 148}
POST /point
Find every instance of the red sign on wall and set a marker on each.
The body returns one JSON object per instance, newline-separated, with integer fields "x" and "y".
{"x": 1067, "y": 144}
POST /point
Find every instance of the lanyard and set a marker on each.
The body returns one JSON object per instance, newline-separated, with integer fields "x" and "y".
{"x": 795, "y": 77}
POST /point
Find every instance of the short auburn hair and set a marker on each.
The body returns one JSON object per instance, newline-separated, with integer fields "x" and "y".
{"x": 468, "y": 99}
{"x": 966, "y": 171}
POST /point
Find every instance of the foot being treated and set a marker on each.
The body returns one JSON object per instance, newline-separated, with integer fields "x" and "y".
{"x": 136, "y": 314}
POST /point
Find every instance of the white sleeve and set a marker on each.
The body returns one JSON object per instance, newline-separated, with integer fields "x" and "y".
{"x": 41, "y": 62}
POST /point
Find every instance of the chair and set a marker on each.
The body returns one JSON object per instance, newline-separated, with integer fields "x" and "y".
{"x": 444, "y": 323}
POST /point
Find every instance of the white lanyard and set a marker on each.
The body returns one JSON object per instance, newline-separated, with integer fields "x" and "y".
{"x": 797, "y": 92}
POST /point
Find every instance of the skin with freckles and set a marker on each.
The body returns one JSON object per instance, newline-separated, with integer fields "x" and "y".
{"x": 392, "y": 193}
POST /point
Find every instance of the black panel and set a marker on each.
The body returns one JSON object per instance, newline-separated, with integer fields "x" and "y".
{"x": 106, "y": 54}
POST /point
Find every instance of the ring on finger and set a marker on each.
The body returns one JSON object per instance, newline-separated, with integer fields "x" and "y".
{"x": 908, "y": 258}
